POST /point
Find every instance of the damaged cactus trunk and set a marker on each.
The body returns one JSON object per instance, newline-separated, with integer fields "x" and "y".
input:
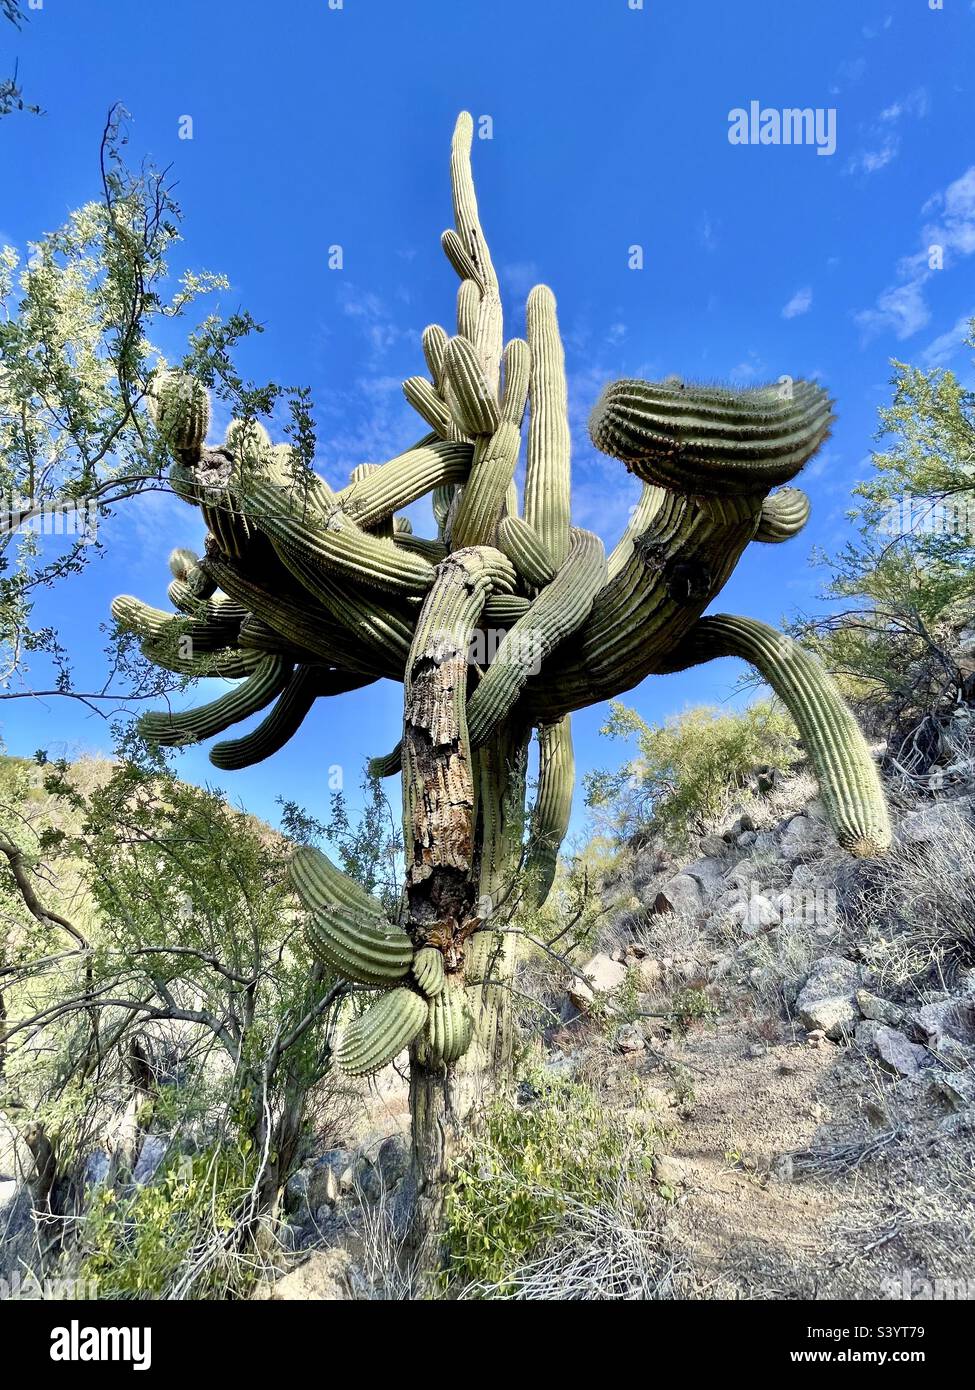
{"x": 499, "y": 627}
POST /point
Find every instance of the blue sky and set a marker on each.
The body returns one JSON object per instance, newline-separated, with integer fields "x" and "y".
{"x": 315, "y": 125}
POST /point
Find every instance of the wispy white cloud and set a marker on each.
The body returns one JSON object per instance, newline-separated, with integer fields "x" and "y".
{"x": 942, "y": 349}
{"x": 947, "y": 236}
{"x": 882, "y": 139}
{"x": 800, "y": 303}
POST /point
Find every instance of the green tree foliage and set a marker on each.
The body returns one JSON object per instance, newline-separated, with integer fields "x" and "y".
{"x": 686, "y": 770}
{"x": 906, "y": 584}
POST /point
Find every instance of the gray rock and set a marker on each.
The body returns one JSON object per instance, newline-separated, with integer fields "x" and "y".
{"x": 946, "y": 1019}
{"x": 897, "y": 1053}
{"x": 393, "y": 1160}
{"x": 933, "y": 823}
{"x": 322, "y": 1178}
{"x": 97, "y": 1166}
{"x": 629, "y": 1038}
{"x": 682, "y": 893}
{"x": 956, "y": 1088}
{"x": 151, "y": 1155}
{"x": 755, "y": 915}
{"x": 879, "y": 1010}
{"x": 713, "y": 846}
{"x": 766, "y": 842}
{"x": 368, "y": 1179}
{"x": 746, "y": 839}
{"x": 8, "y": 1196}
{"x": 801, "y": 837}
{"x": 828, "y": 998}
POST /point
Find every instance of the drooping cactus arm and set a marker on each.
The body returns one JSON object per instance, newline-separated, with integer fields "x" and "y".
{"x": 556, "y": 614}
{"x": 547, "y": 470}
{"x": 249, "y": 697}
{"x": 553, "y": 806}
{"x": 709, "y": 439}
{"x": 641, "y": 519}
{"x": 527, "y": 551}
{"x": 306, "y": 685}
{"x": 676, "y": 569}
{"x": 157, "y": 626}
{"x": 848, "y": 778}
{"x": 784, "y": 514}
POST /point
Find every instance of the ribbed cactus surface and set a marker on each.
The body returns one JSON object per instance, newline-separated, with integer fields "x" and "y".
{"x": 497, "y": 624}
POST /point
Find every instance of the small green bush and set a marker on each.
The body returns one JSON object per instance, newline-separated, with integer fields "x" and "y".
{"x": 526, "y": 1167}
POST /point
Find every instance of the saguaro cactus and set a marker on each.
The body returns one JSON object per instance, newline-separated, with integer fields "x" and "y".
{"x": 498, "y": 626}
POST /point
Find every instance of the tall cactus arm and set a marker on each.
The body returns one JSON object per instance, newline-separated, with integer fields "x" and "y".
{"x": 784, "y": 514}
{"x": 701, "y": 439}
{"x": 848, "y": 778}
{"x": 559, "y": 610}
{"x": 286, "y": 718}
{"x": 472, "y": 401}
{"x": 495, "y": 460}
{"x": 517, "y": 363}
{"x": 467, "y": 221}
{"x": 553, "y": 806}
{"x": 547, "y": 474}
{"x": 249, "y": 697}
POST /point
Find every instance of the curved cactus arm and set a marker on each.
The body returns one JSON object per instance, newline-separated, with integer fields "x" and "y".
{"x": 428, "y": 970}
{"x": 488, "y": 337}
{"x": 348, "y": 929}
{"x": 641, "y": 519}
{"x": 217, "y": 609}
{"x": 784, "y": 514}
{"x": 191, "y": 726}
{"x": 547, "y": 472}
{"x": 394, "y": 485}
{"x": 230, "y": 664}
{"x": 468, "y": 308}
{"x": 517, "y": 362}
{"x": 553, "y": 806}
{"x": 387, "y": 764}
{"x": 449, "y": 1027}
{"x": 459, "y": 257}
{"x": 559, "y": 610}
{"x": 180, "y": 409}
{"x": 526, "y": 551}
{"x": 379, "y": 1035}
{"x": 848, "y": 778}
{"x": 676, "y": 569}
{"x": 292, "y": 614}
{"x": 505, "y": 609}
{"x": 185, "y": 636}
{"x": 318, "y": 532}
{"x": 429, "y": 404}
{"x": 291, "y": 708}
{"x": 699, "y": 439}
{"x": 431, "y": 550}
{"x": 256, "y": 639}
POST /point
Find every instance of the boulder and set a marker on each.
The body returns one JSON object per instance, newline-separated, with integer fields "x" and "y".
{"x": 650, "y": 975}
{"x": 827, "y": 1000}
{"x": 152, "y": 1153}
{"x": 746, "y": 839}
{"x": 879, "y": 1010}
{"x": 682, "y": 893}
{"x": 755, "y": 915}
{"x": 766, "y": 842}
{"x": 802, "y": 837}
{"x": 326, "y": 1276}
{"x": 897, "y": 1053}
{"x": 946, "y": 1019}
{"x": 713, "y": 846}
{"x": 932, "y": 823}
{"x": 600, "y": 975}
{"x": 320, "y": 1183}
{"x": 8, "y": 1197}
{"x": 709, "y": 873}
{"x": 393, "y": 1160}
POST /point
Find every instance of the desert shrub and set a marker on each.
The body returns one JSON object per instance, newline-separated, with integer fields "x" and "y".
{"x": 687, "y": 770}
{"x": 527, "y": 1172}
{"x": 915, "y": 918}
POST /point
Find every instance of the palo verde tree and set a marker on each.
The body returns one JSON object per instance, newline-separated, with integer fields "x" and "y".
{"x": 306, "y": 592}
